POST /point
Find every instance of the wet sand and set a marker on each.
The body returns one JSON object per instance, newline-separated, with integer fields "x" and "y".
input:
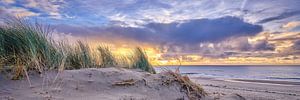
{"x": 268, "y": 82}
{"x": 251, "y": 89}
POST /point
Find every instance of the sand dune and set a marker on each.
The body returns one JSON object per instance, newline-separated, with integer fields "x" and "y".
{"x": 94, "y": 84}
{"x": 122, "y": 84}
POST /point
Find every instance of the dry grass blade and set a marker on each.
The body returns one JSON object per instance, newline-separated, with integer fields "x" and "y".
{"x": 140, "y": 61}
{"x": 193, "y": 90}
{"x": 106, "y": 57}
{"x": 23, "y": 43}
{"x": 28, "y": 44}
{"x": 125, "y": 82}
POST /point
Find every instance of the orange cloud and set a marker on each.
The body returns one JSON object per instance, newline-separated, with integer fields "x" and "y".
{"x": 291, "y": 25}
{"x": 8, "y": 1}
{"x": 20, "y": 12}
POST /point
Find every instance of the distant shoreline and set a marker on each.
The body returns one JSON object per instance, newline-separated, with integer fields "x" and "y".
{"x": 254, "y": 81}
{"x": 268, "y": 81}
{"x": 251, "y": 89}
{"x": 249, "y": 65}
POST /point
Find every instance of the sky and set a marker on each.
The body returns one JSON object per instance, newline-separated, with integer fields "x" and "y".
{"x": 212, "y": 28}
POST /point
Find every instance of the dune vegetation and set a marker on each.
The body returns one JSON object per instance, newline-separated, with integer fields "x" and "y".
{"x": 27, "y": 46}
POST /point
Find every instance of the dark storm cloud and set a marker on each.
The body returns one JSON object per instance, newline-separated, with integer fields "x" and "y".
{"x": 293, "y": 50}
{"x": 280, "y": 16}
{"x": 137, "y": 34}
{"x": 296, "y": 45}
{"x": 189, "y": 32}
{"x": 242, "y": 44}
{"x": 236, "y": 43}
{"x": 205, "y": 30}
{"x": 296, "y": 29}
{"x": 263, "y": 45}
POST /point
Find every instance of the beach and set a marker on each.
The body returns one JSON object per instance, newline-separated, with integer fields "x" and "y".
{"x": 131, "y": 84}
{"x": 98, "y": 84}
{"x": 251, "y": 89}
{"x": 252, "y": 82}
{"x": 149, "y": 50}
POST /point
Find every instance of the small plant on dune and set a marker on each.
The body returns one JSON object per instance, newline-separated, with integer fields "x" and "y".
{"x": 29, "y": 44}
{"x": 85, "y": 56}
{"x": 107, "y": 59}
{"x": 140, "y": 61}
{"x": 79, "y": 56}
{"x": 194, "y": 91}
{"x": 124, "y": 61}
{"x": 73, "y": 59}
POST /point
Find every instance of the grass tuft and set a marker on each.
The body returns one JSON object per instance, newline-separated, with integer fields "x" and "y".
{"x": 78, "y": 56}
{"x": 107, "y": 59}
{"x": 141, "y": 61}
{"x": 28, "y": 46}
{"x": 194, "y": 91}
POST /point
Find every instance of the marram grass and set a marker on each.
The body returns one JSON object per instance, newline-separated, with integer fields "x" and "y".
{"x": 28, "y": 46}
{"x": 107, "y": 59}
{"x": 78, "y": 56}
{"x": 140, "y": 61}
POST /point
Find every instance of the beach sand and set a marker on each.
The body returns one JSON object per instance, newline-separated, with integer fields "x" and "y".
{"x": 251, "y": 89}
{"x": 93, "y": 84}
{"x": 131, "y": 84}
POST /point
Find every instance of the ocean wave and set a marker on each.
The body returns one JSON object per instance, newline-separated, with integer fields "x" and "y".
{"x": 283, "y": 78}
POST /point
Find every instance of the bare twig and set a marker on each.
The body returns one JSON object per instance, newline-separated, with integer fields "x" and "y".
{"x": 125, "y": 82}
{"x": 29, "y": 82}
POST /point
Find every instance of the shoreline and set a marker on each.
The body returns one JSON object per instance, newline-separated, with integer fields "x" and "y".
{"x": 124, "y": 84}
{"x": 298, "y": 65}
{"x": 274, "y": 82}
{"x": 250, "y": 89}
{"x": 254, "y": 81}
{"x": 231, "y": 65}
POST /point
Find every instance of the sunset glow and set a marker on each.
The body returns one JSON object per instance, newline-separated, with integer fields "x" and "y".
{"x": 213, "y": 32}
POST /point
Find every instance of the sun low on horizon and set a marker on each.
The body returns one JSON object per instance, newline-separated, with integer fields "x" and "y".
{"x": 173, "y": 32}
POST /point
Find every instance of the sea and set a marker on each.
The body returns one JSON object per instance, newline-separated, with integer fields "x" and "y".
{"x": 249, "y": 72}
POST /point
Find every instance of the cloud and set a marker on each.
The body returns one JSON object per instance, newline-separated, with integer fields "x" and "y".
{"x": 205, "y": 30}
{"x": 190, "y": 32}
{"x": 235, "y": 43}
{"x": 291, "y": 25}
{"x": 17, "y": 11}
{"x": 293, "y": 49}
{"x": 8, "y": 1}
{"x": 234, "y": 46}
{"x": 243, "y": 44}
{"x": 140, "y": 12}
{"x": 263, "y": 46}
{"x": 135, "y": 13}
{"x": 181, "y": 37}
{"x": 28, "y": 8}
{"x": 296, "y": 45}
{"x": 280, "y": 16}
{"x": 51, "y": 8}
{"x": 285, "y": 36}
